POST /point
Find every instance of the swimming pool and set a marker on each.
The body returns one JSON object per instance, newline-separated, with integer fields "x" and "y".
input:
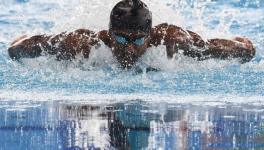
{"x": 100, "y": 80}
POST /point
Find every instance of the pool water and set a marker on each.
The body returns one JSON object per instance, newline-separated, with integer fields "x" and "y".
{"x": 130, "y": 125}
{"x": 46, "y": 104}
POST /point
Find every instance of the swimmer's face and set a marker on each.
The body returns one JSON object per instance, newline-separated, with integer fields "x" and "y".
{"x": 127, "y": 47}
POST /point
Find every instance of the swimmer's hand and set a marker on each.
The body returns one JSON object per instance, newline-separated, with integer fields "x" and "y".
{"x": 64, "y": 46}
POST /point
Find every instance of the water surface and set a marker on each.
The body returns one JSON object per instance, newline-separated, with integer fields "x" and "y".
{"x": 130, "y": 125}
{"x": 93, "y": 104}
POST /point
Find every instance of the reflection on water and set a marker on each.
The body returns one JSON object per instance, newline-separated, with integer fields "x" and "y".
{"x": 130, "y": 125}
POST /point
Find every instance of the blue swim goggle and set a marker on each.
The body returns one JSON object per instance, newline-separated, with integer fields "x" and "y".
{"x": 124, "y": 40}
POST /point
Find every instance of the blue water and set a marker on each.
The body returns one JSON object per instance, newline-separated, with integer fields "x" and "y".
{"x": 133, "y": 125}
{"x": 33, "y": 90}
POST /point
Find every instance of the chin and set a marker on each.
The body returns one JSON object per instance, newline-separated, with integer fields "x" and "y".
{"x": 127, "y": 63}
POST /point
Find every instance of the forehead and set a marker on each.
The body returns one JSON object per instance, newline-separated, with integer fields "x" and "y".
{"x": 130, "y": 33}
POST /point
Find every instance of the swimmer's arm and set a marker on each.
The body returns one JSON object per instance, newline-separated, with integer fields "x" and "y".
{"x": 63, "y": 46}
{"x": 241, "y": 48}
{"x": 25, "y": 47}
{"x": 175, "y": 39}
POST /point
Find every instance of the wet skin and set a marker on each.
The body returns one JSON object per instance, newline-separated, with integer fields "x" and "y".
{"x": 128, "y": 54}
{"x": 66, "y": 46}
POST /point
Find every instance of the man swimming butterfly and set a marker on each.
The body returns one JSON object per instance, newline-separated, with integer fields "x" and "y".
{"x": 129, "y": 36}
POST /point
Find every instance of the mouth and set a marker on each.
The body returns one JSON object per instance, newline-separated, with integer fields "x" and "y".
{"x": 125, "y": 57}
{"x": 128, "y": 60}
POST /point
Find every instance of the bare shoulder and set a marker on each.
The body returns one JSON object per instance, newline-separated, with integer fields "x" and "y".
{"x": 158, "y": 33}
{"x": 168, "y": 33}
{"x": 196, "y": 39}
{"x": 105, "y": 37}
{"x": 84, "y": 32}
{"x": 75, "y": 38}
{"x": 166, "y": 28}
{"x": 91, "y": 36}
{"x": 80, "y": 34}
{"x": 67, "y": 45}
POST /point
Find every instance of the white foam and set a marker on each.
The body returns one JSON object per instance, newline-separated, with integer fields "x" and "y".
{"x": 98, "y": 98}
{"x": 157, "y": 58}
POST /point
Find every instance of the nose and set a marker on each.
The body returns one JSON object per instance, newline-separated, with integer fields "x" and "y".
{"x": 131, "y": 48}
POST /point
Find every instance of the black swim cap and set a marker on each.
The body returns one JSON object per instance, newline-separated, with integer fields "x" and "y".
{"x": 131, "y": 15}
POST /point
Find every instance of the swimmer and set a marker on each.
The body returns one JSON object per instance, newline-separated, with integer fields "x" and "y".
{"x": 129, "y": 36}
